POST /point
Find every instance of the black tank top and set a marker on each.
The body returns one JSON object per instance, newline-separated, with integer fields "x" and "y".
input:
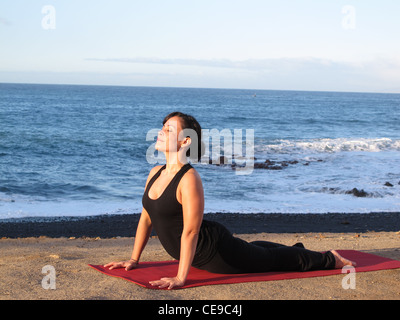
{"x": 166, "y": 215}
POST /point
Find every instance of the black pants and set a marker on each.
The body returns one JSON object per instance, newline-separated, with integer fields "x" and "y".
{"x": 235, "y": 255}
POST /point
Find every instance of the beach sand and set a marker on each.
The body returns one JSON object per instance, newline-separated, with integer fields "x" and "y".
{"x": 69, "y": 251}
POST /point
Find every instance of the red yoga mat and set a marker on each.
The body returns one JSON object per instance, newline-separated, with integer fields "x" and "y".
{"x": 149, "y": 271}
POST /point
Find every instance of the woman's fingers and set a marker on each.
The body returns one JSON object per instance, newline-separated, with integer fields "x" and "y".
{"x": 108, "y": 264}
{"x": 113, "y": 265}
{"x": 160, "y": 283}
{"x": 166, "y": 282}
{"x": 128, "y": 265}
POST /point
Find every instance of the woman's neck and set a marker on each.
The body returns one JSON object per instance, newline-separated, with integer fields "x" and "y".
{"x": 174, "y": 162}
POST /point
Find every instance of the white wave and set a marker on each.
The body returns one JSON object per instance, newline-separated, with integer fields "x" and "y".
{"x": 329, "y": 145}
{"x": 25, "y": 209}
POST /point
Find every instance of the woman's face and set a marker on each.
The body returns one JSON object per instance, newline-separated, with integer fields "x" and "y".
{"x": 167, "y": 140}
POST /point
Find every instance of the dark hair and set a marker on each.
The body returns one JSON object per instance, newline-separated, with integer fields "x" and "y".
{"x": 189, "y": 122}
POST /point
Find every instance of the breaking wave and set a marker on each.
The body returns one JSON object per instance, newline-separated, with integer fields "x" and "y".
{"x": 330, "y": 145}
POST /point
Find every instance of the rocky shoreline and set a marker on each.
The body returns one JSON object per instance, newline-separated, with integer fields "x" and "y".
{"x": 109, "y": 226}
{"x": 281, "y": 165}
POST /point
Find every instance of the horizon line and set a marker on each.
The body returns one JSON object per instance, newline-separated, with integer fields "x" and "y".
{"x": 192, "y": 87}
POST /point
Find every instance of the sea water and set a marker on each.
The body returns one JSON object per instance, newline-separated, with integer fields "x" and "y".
{"x": 83, "y": 150}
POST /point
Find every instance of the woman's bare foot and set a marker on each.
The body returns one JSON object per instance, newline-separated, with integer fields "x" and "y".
{"x": 340, "y": 262}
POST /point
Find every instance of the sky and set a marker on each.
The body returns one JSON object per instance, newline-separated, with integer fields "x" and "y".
{"x": 316, "y": 45}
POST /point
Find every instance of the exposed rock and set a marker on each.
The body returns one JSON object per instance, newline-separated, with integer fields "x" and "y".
{"x": 358, "y": 193}
{"x": 273, "y": 165}
{"x": 267, "y": 164}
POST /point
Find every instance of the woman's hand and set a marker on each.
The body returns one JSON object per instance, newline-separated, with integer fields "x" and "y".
{"x": 128, "y": 265}
{"x": 168, "y": 282}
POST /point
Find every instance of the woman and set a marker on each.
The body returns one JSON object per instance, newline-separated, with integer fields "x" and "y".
{"x": 173, "y": 203}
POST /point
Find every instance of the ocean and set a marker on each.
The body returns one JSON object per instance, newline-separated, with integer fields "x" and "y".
{"x": 70, "y": 150}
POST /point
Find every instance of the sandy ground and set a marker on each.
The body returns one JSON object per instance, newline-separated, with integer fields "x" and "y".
{"x": 22, "y": 260}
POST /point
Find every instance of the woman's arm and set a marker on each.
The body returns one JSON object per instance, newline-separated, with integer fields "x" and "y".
{"x": 193, "y": 208}
{"x": 142, "y": 236}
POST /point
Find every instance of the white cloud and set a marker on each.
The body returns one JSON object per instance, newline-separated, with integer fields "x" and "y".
{"x": 379, "y": 75}
{"x": 313, "y": 74}
{"x": 278, "y": 64}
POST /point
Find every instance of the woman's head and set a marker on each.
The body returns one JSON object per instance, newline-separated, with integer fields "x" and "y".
{"x": 185, "y": 130}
